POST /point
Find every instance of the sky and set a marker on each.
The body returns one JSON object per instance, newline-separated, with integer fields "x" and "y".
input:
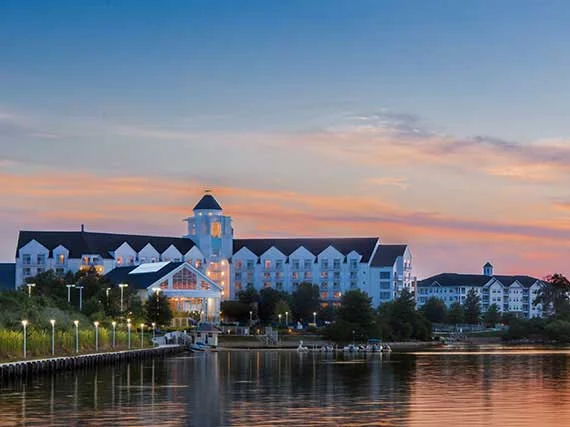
{"x": 441, "y": 124}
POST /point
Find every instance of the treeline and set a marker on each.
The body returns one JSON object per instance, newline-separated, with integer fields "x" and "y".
{"x": 99, "y": 301}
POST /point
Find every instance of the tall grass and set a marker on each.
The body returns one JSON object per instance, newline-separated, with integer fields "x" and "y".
{"x": 38, "y": 342}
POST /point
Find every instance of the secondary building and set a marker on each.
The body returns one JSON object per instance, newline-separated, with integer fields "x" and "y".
{"x": 514, "y": 294}
{"x": 336, "y": 264}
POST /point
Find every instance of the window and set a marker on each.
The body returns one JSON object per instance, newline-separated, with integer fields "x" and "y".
{"x": 353, "y": 264}
{"x": 267, "y": 285}
{"x": 336, "y": 285}
{"x": 279, "y": 285}
{"x": 324, "y": 274}
{"x": 27, "y": 271}
{"x": 41, "y": 270}
{"x": 307, "y": 275}
{"x": 237, "y": 286}
{"x": 336, "y": 275}
{"x": 239, "y": 264}
{"x": 279, "y": 264}
{"x": 324, "y": 295}
{"x": 267, "y": 276}
{"x": 295, "y": 264}
{"x": 336, "y": 264}
{"x": 184, "y": 279}
{"x": 267, "y": 263}
{"x": 250, "y": 276}
{"x": 325, "y": 264}
{"x": 295, "y": 285}
{"x": 26, "y": 259}
{"x": 41, "y": 258}
{"x": 385, "y": 275}
{"x": 216, "y": 229}
{"x": 238, "y": 275}
{"x": 337, "y": 295}
{"x": 119, "y": 260}
{"x": 353, "y": 285}
{"x": 385, "y": 295}
{"x": 60, "y": 259}
{"x": 324, "y": 285}
{"x": 249, "y": 264}
{"x": 279, "y": 275}
{"x": 295, "y": 275}
{"x": 307, "y": 264}
{"x": 385, "y": 285}
{"x": 59, "y": 271}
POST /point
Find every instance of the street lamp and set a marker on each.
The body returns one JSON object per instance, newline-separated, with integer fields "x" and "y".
{"x": 315, "y": 318}
{"x": 114, "y": 330}
{"x": 142, "y": 335}
{"x": 80, "y": 297}
{"x": 69, "y": 292}
{"x": 153, "y": 331}
{"x": 286, "y": 318}
{"x": 279, "y": 315}
{"x": 52, "y": 321}
{"x": 24, "y": 324}
{"x": 96, "y": 335}
{"x": 250, "y": 317}
{"x": 122, "y": 286}
{"x": 76, "y": 323}
{"x": 129, "y": 333}
{"x": 353, "y": 337}
{"x": 30, "y": 286}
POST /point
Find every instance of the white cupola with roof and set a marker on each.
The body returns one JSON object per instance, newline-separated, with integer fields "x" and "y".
{"x": 210, "y": 229}
{"x": 488, "y": 269}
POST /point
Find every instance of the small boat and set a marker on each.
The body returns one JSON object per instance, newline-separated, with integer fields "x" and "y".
{"x": 199, "y": 347}
{"x": 301, "y": 348}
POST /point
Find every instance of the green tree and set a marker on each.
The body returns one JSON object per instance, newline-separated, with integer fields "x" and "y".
{"x": 472, "y": 307}
{"x": 455, "y": 313}
{"x": 554, "y": 296}
{"x": 492, "y": 316}
{"x": 356, "y": 309}
{"x": 434, "y": 310}
{"x": 157, "y": 310}
{"x": 281, "y": 308}
{"x": 268, "y": 299}
{"x": 250, "y": 297}
{"x": 399, "y": 319}
{"x": 305, "y": 301}
{"x": 234, "y": 311}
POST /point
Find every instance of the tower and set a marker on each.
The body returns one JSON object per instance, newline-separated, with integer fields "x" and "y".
{"x": 212, "y": 232}
{"x": 488, "y": 269}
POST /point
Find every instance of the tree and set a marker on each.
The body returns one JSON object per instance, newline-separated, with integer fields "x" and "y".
{"x": 234, "y": 311}
{"x": 472, "y": 307}
{"x": 281, "y": 308}
{"x": 492, "y": 316}
{"x": 250, "y": 297}
{"x": 268, "y": 299}
{"x": 305, "y": 301}
{"x": 554, "y": 295}
{"x": 455, "y": 313}
{"x": 434, "y": 310}
{"x": 157, "y": 310}
{"x": 399, "y": 319}
{"x": 355, "y": 319}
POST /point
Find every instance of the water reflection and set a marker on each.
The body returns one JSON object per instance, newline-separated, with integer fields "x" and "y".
{"x": 285, "y": 388}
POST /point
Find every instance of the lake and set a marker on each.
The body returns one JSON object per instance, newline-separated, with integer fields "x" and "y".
{"x": 523, "y": 387}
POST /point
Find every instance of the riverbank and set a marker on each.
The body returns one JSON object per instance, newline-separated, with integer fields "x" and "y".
{"x": 23, "y": 368}
{"x": 233, "y": 342}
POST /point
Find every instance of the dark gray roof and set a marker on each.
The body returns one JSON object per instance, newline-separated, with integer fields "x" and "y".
{"x": 456, "y": 279}
{"x": 208, "y": 202}
{"x": 386, "y": 255}
{"x": 141, "y": 280}
{"x": 363, "y": 245}
{"x": 83, "y": 242}
{"x": 7, "y": 276}
{"x": 488, "y": 264}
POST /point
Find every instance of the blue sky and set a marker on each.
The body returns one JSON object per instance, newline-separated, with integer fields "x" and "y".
{"x": 318, "y": 98}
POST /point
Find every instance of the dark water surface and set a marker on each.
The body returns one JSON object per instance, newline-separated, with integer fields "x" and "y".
{"x": 453, "y": 388}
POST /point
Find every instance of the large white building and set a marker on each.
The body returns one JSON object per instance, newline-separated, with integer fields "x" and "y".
{"x": 209, "y": 250}
{"x": 514, "y": 294}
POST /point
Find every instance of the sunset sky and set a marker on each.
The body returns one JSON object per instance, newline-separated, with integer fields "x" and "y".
{"x": 443, "y": 124}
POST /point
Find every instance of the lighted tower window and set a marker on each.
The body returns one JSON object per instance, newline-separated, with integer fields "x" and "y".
{"x": 216, "y": 229}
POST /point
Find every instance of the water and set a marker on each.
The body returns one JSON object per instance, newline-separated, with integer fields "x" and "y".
{"x": 482, "y": 388}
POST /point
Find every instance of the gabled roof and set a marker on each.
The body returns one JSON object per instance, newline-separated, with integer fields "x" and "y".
{"x": 83, "y": 242}
{"x": 363, "y": 245}
{"x": 208, "y": 202}
{"x": 488, "y": 264}
{"x": 7, "y": 276}
{"x": 386, "y": 255}
{"x": 456, "y": 279}
{"x": 142, "y": 280}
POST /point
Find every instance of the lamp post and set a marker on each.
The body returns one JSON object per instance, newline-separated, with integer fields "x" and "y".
{"x": 69, "y": 292}
{"x": 353, "y": 338}
{"x": 279, "y": 315}
{"x": 80, "y": 297}
{"x": 76, "y": 323}
{"x": 52, "y": 321}
{"x": 315, "y": 318}
{"x": 24, "y": 324}
{"x": 153, "y": 331}
{"x": 122, "y": 286}
{"x": 30, "y": 286}
{"x": 114, "y": 324}
{"x": 142, "y": 335}
{"x": 250, "y": 317}
{"x": 96, "y": 335}
{"x": 129, "y": 333}
{"x": 286, "y": 318}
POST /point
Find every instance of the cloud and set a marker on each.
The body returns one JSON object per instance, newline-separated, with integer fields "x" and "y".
{"x": 401, "y": 183}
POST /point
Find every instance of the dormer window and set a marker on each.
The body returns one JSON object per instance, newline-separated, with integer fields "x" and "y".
{"x": 26, "y": 259}
{"x": 61, "y": 259}
{"x": 119, "y": 260}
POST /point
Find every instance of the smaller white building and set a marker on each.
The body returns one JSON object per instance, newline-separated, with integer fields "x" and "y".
{"x": 513, "y": 294}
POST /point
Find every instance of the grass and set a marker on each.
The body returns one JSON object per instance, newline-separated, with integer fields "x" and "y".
{"x": 38, "y": 342}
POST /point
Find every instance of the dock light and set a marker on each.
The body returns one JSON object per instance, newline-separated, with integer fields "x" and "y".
{"x": 30, "y": 286}
{"x": 76, "y": 323}
{"x": 96, "y": 335}
{"x": 24, "y": 324}
{"x": 114, "y": 324}
{"x": 142, "y": 335}
{"x": 52, "y": 321}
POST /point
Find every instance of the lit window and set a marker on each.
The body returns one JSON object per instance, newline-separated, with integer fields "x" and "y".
{"x": 216, "y": 229}
{"x": 267, "y": 263}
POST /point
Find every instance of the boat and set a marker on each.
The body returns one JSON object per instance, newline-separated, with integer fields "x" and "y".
{"x": 199, "y": 347}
